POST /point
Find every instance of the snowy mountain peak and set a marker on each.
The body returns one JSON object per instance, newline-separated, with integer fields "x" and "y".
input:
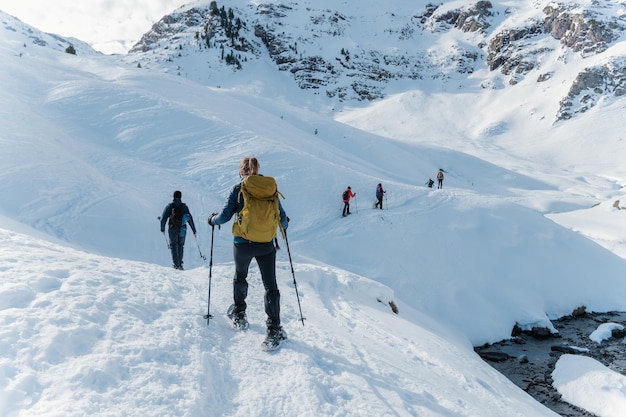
{"x": 20, "y": 35}
{"x": 346, "y": 53}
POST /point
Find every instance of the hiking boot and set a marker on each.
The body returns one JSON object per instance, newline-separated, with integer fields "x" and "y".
{"x": 274, "y": 338}
{"x": 239, "y": 319}
{"x": 240, "y": 322}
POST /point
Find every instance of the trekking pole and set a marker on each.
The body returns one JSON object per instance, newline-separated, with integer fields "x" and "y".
{"x": 295, "y": 284}
{"x": 208, "y": 315}
{"x": 356, "y": 205}
{"x": 167, "y": 242}
{"x": 198, "y": 245}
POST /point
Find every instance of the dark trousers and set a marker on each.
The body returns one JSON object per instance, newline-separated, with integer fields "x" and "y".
{"x": 439, "y": 183}
{"x": 346, "y": 208}
{"x": 379, "y": 202}
{"x": 177, "y": 243}
{"x": 265, "y": 255}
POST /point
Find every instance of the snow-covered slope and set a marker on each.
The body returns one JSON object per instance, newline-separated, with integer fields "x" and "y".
{"x": 87, "y": 335}
{"x": 95, "y": 322}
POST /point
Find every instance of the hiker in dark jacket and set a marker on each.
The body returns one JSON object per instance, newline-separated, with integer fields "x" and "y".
{"x": 380, "y": 193}
{"x": 243, "y": 252}
{"x": 178, "y": 216}
{"x": 347, "y": 195}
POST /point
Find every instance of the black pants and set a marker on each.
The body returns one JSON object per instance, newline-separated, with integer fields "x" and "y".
{"x": 379, "y": 202}
{"x": 265, "y": 255}
{"x": 439, "y": 183}
{"x": 177, "y": 244}
{"x": 346, "y": 208}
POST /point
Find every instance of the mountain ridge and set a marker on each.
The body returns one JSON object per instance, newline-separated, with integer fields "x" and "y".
{"x": 456, "y": 44}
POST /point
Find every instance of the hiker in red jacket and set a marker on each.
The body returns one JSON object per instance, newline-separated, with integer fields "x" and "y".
{"x": 347, "y": 195}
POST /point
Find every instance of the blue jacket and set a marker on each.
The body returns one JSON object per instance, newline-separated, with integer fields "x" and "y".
{"x": 168, "y": 211}
{"x": 233, "y": 206}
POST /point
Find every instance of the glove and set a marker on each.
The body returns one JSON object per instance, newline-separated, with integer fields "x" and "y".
{"x": 211, "y": 219}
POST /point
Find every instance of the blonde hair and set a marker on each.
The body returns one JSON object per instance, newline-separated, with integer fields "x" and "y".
{"x": 249, "y": 166}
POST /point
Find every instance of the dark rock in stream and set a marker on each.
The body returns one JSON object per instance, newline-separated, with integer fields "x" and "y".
{"x": 528, "y": 358}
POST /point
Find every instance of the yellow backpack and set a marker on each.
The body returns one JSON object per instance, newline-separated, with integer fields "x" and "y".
{"x": 260, "y": 216}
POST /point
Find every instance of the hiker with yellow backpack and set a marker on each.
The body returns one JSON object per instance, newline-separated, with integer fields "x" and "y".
{"x": 258, "y": 213}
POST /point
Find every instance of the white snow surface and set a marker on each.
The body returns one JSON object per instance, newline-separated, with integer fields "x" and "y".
{"x": 587, "y": 383}
{"x": 604, "y": 332}
{"x": 95, "y": 321}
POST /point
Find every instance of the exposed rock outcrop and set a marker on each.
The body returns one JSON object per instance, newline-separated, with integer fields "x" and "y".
{"x": 322, "y": 51}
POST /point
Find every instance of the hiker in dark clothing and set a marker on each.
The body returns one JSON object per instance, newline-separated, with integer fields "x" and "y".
{"x": 440, "y": 179}
{"x": 177, "y": 215}
{"x": 244, "y": 251}
{"x": 347, "y": 195}
{"x": 380, "y": 193}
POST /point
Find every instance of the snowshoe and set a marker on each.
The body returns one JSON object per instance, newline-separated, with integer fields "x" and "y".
{"x": 274, "y": 339}
{"x": 239, "y": 320}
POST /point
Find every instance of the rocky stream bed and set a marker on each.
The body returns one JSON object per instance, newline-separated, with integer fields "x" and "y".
{"x": 528, "y": 358}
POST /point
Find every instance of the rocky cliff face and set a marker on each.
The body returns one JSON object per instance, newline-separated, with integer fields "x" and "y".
{"x": 347, "y": 53}
{"x": 517, "y": 51}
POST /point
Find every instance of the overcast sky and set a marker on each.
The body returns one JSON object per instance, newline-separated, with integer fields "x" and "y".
{"x": 110, "y": 26}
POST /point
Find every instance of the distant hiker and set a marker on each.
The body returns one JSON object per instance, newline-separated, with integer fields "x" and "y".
{"x": 440, "y": 179}
{"x": 177, "y": 215}
{"x": 380, "y": 193}
{"x": 346, "y": 196}
{"x": 430, "y": 183}
{"x": 254, "y": 239}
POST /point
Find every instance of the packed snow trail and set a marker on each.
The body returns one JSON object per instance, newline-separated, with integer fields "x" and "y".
{"x": 89, "y": 335}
